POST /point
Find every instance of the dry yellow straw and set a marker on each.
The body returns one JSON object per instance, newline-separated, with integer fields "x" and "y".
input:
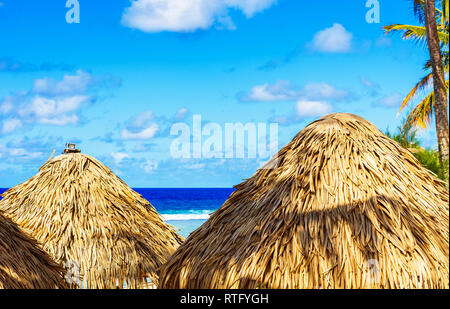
{"x": 91, "y": 222}
{"x": 22, "y": 264}
{"x": 346, "y": 207}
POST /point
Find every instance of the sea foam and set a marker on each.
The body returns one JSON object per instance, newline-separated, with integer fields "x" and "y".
{"x": 185, "y": 216}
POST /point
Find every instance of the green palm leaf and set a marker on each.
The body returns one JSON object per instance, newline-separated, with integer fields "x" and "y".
{"x": 414, "y": 32}
{"x": 421, "y": 115}
{"x": 421, "y": 85}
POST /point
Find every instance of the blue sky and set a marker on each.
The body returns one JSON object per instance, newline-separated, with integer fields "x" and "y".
{"x": 116, "y": 82}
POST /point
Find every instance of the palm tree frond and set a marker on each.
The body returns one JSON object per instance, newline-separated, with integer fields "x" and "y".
{"x": 421, "y": 115}
{"x": 409, "y": 31}
{"x": 421, "y": 85}
{"x": 419, "y": 10}
{"x": 445, "y": 10}
{"x": 415, "y": 32}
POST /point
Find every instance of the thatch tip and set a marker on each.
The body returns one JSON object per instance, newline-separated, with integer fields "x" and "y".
{"x": 71, "y": 148}
{"x": 346, "y": 207}
{"x": 85, "y": 216}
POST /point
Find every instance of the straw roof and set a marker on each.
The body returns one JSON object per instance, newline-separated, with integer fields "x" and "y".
{"x": 89, "y": 220}
{"x": 22, "y": 264}
{"x": 344, "y": 207}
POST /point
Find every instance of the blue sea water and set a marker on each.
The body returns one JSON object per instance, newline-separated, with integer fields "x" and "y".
{"x": 186, "y": 209}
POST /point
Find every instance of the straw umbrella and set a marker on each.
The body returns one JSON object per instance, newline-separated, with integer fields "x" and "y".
{"x": 22, "y": 264}
{"x": 340, "y": 206}
{"x": 91, "y": 222}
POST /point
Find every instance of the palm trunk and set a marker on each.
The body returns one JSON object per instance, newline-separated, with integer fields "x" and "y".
{"x": 440, "y": 91}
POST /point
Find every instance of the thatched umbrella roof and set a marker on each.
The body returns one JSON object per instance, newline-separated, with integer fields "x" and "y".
{"x": 87, "y": 218}
{"x": 345, "y": 207}
{"x": 22, "y": 264}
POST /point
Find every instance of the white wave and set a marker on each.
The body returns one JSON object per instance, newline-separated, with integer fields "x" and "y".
{"x": 169, "y": 217}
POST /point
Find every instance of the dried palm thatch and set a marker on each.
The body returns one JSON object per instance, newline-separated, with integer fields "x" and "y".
{"x": 91, "y": 222}
{"x": 346, "y": 207}
{"x": 22, "y": 264}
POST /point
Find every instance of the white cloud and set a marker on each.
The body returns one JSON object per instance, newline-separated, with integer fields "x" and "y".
{"x": 142, "y": 119}
{"x": 15, "y": 152}
{"x": 44, "y": 107}
{"x": 141, "y": 127}
{"x": 186, "y": 16}
{"x": 60, "y": 120}
{"x": 11, "y": 125}
{"x": 7, "y": 105}
{"x": 323, "y": 91}
{"x": 41, "y": 106}
{"x": 23, "y": 153}
{"x": 53, "y": 102}
{"x": 250, "y": 7}
{"x": 393, "y": 100}
{"x": 119, "y": 157}
{"x": 49, "y": 110}
{"x": 70, "y": 84}
{"x": 305, "y": 108}
{"x": 333, "y": 40}
{"x": 284, "y": 91}
{"x": 25, "y": 150}
{"x": 147, "y": 125}
{"x": 280, "y": 91}
{"x": 146, "y": 133}
{"x": 181, "y": 114}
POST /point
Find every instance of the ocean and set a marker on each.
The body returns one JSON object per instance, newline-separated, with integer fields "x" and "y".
{"x": 185, "y": 209}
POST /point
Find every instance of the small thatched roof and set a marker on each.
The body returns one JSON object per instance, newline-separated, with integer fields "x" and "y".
{"x": 345, "y": 207}
{"x": 87, "y": 218}
{"x": 22, "y": 264}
